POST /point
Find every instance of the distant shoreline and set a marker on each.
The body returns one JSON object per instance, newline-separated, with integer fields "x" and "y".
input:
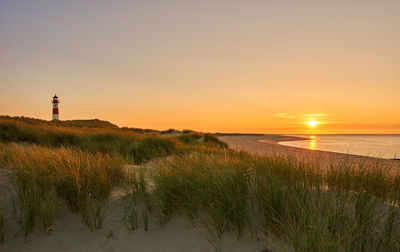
{"x": 269, "y": 144}
{"x": 273, "y": 137}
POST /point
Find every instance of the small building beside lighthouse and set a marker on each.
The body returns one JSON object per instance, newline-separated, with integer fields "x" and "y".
{"x": 55, "y": 102}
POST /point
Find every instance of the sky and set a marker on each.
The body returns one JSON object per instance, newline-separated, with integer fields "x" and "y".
{"x": 215, "y": 66}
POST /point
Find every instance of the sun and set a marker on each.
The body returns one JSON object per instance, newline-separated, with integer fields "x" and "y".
{"x": 312, "y": 122}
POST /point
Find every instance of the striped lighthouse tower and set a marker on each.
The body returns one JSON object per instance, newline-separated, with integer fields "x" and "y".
{"x": 55, "y": 102}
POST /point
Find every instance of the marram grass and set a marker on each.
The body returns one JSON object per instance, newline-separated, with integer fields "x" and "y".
{"x": 294, "y": 202}
{"x": 345, "y": 207}
{"x": 44, "y": 177}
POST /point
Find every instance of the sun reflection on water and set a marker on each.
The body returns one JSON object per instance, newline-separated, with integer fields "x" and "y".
{"x": 312, "y": 143}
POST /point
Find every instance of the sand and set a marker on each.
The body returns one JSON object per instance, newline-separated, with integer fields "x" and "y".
{"x": 178, "y": 234}
{"x": 70, "y": 234}
{"x": 269, "y": 144}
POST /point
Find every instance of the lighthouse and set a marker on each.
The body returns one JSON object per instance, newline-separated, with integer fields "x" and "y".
{"x": 55, "y": 102}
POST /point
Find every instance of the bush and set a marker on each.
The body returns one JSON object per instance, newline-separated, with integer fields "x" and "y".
{"x": 213, "y": 139}
{"x": 189, "y": 138}
{"x": 151, "y": 147}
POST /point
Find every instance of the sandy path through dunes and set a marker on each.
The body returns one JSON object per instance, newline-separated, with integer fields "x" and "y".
{"x": 70, "y": 234}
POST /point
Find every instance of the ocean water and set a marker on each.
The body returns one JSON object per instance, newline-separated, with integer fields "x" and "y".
{"x": 381, "y": 146}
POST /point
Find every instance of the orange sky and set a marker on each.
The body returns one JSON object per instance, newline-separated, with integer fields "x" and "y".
{"x": 227, "y": 66}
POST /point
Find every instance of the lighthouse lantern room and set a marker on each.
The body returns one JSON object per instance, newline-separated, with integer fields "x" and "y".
{"x": 55, "y": 102}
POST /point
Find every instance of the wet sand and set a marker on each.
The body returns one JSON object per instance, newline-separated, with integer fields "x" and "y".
{"x": 269, "y": 144}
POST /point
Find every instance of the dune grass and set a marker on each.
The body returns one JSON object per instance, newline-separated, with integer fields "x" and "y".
{"x": 45, "y": 177}
{"x": 307, "y": 207}
{"x": 189, "y": 138}
{"x": 152, "y": 147}
{"x": 134, "y": 145}
{"x": 295, "y": 202}
{"x": 137, "y": 201}
{"x": 208, "y": 138}
{"x": 346, "y": 207}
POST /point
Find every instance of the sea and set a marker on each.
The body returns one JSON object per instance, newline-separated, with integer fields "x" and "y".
{"x": 380, "y": 146}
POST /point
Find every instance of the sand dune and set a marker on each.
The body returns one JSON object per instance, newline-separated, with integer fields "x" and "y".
{"x": 179, "y": 234}
{"x": 70, "y": 234}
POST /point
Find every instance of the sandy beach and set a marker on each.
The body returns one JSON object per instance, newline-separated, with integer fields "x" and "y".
{"x": 179, "y": 234}
{"x": 70, "y": 234}
{"x": 269, "y": 144}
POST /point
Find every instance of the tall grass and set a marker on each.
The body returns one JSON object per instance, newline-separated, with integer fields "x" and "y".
{"x": 345, "y": 207}
{"x": 137, "y": 201}
{"x": 152, "y": 147}
{"x": 208, "y": 185}
{"x": 141, "y": 146}
{"x": 54, "y": 135}
{"x": 295, "y": 201}
{"x": 44, "y": 177}
{"x": 189, "y": 138}
{"x": 208, "y": 138}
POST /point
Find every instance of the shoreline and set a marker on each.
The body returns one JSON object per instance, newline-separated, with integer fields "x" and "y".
{"x": 269, "y": 144}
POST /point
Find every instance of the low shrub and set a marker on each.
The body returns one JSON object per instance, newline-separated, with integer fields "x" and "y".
{"x": 152, "y": 147}
{"x": 191, "y": 138}
{"x": 213, "y": 139}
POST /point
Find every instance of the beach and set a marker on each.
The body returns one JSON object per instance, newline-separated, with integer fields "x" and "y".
{"x": 269, "y": 144}
{"x": 68, "y": 233}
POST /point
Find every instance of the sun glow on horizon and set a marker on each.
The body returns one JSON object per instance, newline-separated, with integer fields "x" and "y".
{"x": 312, "y": 122}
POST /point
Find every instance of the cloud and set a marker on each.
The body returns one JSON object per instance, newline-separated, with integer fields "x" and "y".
{"x": 314, "y": 115}
{"x": 302, "y": 116}
{"x": 284, "y": 115}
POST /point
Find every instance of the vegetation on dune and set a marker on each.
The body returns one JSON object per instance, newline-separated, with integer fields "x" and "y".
{"x": 346, "y": 207}
{"x": 94, "y": 123}
{"x": 208, "y": 138}
{"x": 44, "y": 177}
{"x": 141, "y": 146}
{"x": 191, "y": 138}
{"x": 54, "y": 135}
{"x": 137, "y": 201}
{"x": 293, "y": 200}
{"x": 153, "y": 147}
{"x": 75, "y": 165}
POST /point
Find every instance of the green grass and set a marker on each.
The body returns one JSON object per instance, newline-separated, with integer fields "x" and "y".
{"x": 137, "y": 201}
{"x": 208, "y": 138}
{"x": 293, "y": 201}
{"x": 152, "y": 147}
{"x": 307, "y": 207}
{"x": 44, "y": 177}
{"x": 189, "y": 138}
{"x": 139, "y": 145}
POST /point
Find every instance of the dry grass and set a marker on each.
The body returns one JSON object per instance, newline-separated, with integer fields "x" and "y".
{"x": 44, "y": 177}
{"x": 347, "y": 207}
{"x": 295, "y": 201}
